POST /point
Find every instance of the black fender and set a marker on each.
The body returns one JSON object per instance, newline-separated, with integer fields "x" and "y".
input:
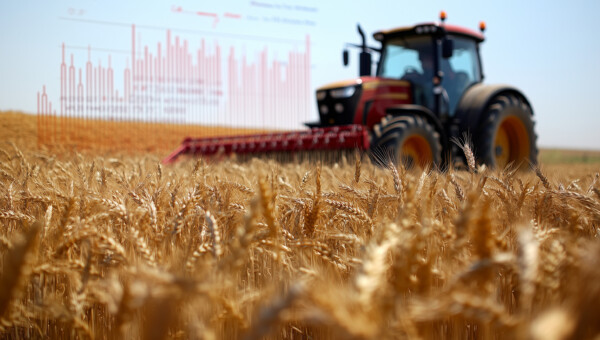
{"x": 431, "y": 119}
{"x": 476, "y": 100}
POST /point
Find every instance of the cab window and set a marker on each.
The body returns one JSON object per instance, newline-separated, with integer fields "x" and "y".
{"x": 461, "y": 70}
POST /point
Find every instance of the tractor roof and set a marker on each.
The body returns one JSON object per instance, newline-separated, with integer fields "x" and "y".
{"x": 428, "y": 28}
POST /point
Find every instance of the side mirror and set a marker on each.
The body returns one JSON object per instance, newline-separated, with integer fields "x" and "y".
{"x": 365, "y": 64}
{"x": 447, "y": 48}
{"x": 345, "y": 57}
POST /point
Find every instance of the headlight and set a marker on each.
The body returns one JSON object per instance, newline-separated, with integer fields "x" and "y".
{"x": 321, "y": 95}
{"x": 343, "y": 92}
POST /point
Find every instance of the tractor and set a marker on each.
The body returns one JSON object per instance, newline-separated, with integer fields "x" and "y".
{"x": 428, "y": 91}
{"x": 425, "y": 99}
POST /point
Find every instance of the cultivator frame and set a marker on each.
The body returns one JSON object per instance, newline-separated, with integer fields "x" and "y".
{"x": 352, "y": 136}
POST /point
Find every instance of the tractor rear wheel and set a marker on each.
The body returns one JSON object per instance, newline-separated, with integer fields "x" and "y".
{"x": 406, "y": 139}
{"x": 506, "y": 136}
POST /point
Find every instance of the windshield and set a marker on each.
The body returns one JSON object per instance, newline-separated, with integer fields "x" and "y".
{"x": 410, "y": 58}
{"x": 461, "y": 70}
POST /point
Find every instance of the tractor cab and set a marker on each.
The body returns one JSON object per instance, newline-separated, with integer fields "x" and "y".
{"x": 440, "y": 61}
{"x": 429, "y": 65}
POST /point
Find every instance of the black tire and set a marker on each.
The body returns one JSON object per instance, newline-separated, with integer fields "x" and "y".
{"x": 406, "y": 139}
{"x": 506, "y": 136}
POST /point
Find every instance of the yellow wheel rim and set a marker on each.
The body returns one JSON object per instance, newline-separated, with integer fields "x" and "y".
{"x": 416, "y": 151}
{"x": 511, "y": 143}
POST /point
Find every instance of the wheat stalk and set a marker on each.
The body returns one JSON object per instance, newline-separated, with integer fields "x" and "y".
{"x": 466, "y": 146}
{"x": 15, "y": 269}
{"x": 396, "y": 178}
{"x": 215, "y": 234}
{"x": 357, "y": 168}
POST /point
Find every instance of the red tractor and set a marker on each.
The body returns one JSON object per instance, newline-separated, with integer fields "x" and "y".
{"x": 427, "y": 91}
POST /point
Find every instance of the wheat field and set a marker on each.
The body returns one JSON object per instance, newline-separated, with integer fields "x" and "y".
{"x": 117, "y": 246}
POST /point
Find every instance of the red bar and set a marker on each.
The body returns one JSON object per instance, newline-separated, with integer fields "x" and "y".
{"x": 63, "y": 81}
{"x": 219, "y": 66}
{"x": 168, "y": 68}
{"x": 133, "y": 72}
{"x": 146, "y": 63}
{"x": 80, "y": 95}
{"x": 111, "y": 80}
{"x": 158, "y": 75}
{"x": 177, "y": 60}
{"x": 71, "y": 84}
{"x": 126, "y": 84}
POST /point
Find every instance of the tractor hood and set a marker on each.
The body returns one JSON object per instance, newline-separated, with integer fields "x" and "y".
{"x": 346, "y": 83}
{"x": 367, "y": 83}
{"x": 353, "y": 101}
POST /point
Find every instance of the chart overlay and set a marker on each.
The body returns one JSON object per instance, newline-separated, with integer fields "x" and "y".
{"x": 214, "y": 83}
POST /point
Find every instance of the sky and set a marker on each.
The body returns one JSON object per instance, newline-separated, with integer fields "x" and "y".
{"x": 548, "y": 50}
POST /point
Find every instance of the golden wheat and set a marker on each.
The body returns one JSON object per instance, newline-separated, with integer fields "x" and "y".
{"x": 122, "y": 247}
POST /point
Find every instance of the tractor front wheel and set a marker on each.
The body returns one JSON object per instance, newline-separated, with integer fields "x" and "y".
{"x": 406, "y": 139}
{"x": 506, "y": 136}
